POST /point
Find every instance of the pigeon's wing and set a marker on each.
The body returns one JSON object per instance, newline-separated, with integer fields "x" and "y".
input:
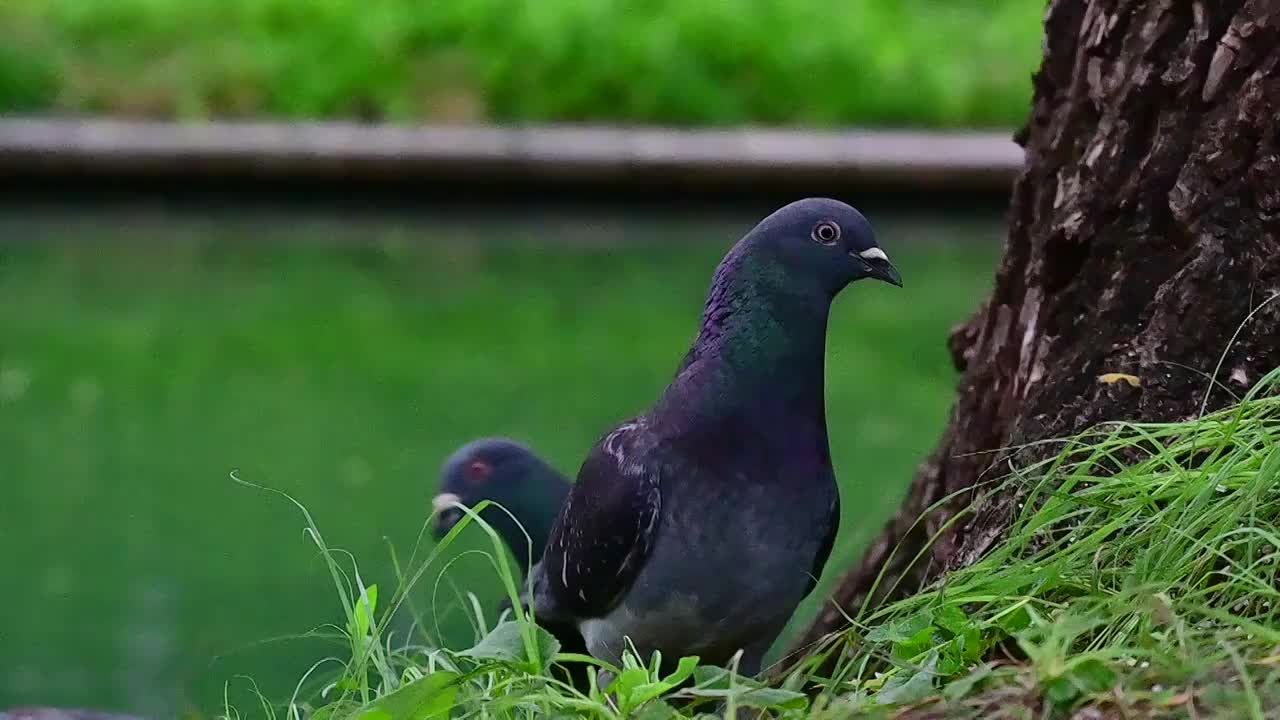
{"x": 828, "y": 541}
{"x": 605, "y": 529}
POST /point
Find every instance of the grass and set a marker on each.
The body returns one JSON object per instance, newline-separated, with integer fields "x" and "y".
{"x": 803, "y": 62}
{"x": 1145, "y": 558}
{"x": 146, "y": 355}
{"x": 1140, "y": 579}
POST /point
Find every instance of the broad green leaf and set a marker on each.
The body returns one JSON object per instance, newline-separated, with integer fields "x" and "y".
{"x": 951, "y": 659}
{"x": 710, "y": 677}
{"x": 952, "y": 619}
{"x": 684, "y": 670}
{"x": 1015, "y": 622}
{"x": 961, "y": 688}
{"x": 762, "y": 698}
{"x": 1093, "y": 675}
{"x": 773, "y": 699}
{"x": 960, "y": 652}
{"x": 917, "y": 645}
{"x": 626, "y": 683}
{"x": 715, "y": 682}
{"x": 908, "y": 686}
{"x": 903, "y": 630}
{"x": 548, "y": 646}
{"x": 648, "y": 691}
{"x": 656, "y": 710}
{"x": 973, "y": 644}
{"x": 428, "y": 698}
{"x": 505, "y": 643}
{"x": 366, "y": 604}
{"x": 1085, "y": 678}
{"x": 1061, "y": 691}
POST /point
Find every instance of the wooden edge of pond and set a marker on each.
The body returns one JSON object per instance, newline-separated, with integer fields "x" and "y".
{"x": 50, "y": 713}
{"x": 969, "y": 161}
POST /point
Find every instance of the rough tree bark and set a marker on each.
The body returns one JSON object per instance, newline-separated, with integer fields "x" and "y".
{"x": 1144, "y": 229}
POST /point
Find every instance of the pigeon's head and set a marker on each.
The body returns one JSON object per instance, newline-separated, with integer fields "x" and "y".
{"x": 504, "y": 472}
{"x": 824, "y": 241}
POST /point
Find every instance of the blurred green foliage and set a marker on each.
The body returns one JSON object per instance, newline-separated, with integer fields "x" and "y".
{"x": 806, "y": 62}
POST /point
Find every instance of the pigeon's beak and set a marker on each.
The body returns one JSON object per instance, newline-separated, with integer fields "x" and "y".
{"x": 447, "y": 515}
{"x": 878, "y": 266}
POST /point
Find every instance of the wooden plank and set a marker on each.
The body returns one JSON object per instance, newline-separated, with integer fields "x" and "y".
{"x": 958, "y": 160}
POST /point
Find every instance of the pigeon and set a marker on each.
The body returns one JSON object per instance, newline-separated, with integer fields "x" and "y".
{"x": 513, "y": 476}
{"x": 696, "y": 528}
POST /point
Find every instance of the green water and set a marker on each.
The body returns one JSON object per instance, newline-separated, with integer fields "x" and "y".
{"x": 145, "y": 354}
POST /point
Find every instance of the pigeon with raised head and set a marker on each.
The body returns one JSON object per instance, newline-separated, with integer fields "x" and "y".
{"x": 507, "y": 473}
{"x": 699, "y": 526}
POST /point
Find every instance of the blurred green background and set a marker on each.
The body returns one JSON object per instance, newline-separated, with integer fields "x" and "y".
{"x": 147, "y": 353}
{"x": 808, "y": 62}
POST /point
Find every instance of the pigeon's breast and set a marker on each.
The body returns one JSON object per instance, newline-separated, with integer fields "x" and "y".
{"x": 726, "y": 571}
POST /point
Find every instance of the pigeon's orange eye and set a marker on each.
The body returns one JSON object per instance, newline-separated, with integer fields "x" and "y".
{"x": 478, "y": 471}
{"x": 826, "y": 232}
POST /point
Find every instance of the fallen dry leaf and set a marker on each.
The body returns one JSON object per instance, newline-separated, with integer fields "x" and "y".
{"x": 1113, "y": 378}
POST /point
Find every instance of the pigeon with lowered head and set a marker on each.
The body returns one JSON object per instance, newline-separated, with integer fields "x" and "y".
{"x": 511, "y": 475}
{"x": 699, "y": 526}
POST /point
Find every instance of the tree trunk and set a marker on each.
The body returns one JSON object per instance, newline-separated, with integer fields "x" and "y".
{"x": 1144, "y": 232}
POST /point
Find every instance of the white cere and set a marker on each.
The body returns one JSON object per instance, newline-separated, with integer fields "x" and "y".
{"x": 444, "y": 501}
